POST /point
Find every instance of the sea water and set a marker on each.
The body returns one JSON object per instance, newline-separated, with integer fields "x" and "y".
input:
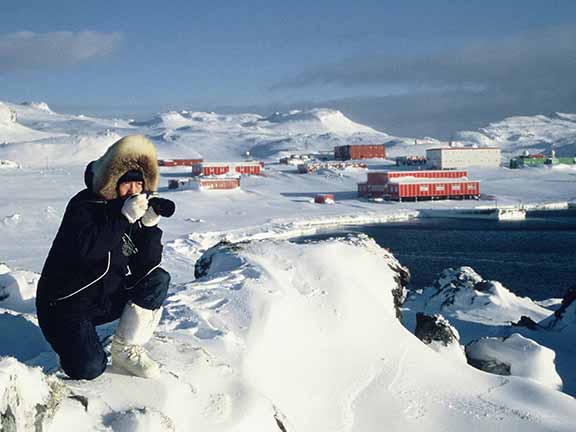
{"x": 535, "y": 257}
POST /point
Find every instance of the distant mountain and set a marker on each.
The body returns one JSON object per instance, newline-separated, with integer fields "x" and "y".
{"x": 31, "y": 133}
{"x": 535, "y": 134}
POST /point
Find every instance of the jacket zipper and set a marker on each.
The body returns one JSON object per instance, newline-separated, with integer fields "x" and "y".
{"x": 86, "y": 286}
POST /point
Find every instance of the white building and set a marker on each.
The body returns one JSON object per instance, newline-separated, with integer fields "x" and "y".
{"x": 462, "y": 157}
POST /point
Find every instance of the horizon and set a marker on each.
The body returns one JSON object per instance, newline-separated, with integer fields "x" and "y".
{"x": 408, "y": 69}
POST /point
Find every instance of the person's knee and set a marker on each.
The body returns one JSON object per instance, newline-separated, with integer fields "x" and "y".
{"x": 152, "y": 291}
{"x": 86, "y": 370}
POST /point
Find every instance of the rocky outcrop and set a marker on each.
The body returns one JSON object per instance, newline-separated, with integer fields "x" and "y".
{"x": 464, "y": 294}
{"x": 567, "y": 301}
{"x": 435, "y": 329}
{"x": 526, "y": 322}
{"x": 565, "y": 316}
{"x": 218, "y": 256}
{"x": 436, "y": 332}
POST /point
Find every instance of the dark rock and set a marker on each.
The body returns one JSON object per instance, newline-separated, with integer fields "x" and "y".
{"x": 82, "y": 399}
{"x": 526, "y": 322}
{"x": 400, "y": 292}
{"x": 490, "y": 366}
{"x": 486, "y": 363}
{"x": 435, "y": 329}
{"x": 484, "y": 286}
{"x": 204, "y": 263}
{"x": 8, "y": 421}
{"x": 567, "y": 300}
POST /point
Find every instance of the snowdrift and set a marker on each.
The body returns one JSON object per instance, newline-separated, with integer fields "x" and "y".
{"x": 519, "y": 355}
{"x": 293, "y": 337}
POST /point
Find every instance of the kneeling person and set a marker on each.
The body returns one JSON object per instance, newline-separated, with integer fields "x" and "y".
{"x": 104, "y": 264}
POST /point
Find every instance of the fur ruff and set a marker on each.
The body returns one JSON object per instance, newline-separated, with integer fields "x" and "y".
{"x": 131, "y": 152}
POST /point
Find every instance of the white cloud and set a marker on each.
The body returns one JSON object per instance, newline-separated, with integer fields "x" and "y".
{"x": 27, "y": 50}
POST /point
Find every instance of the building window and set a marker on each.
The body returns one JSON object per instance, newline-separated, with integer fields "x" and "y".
{"x": 456, "y": 187}
{"x": 424, "y": 188}
{"x": 440, "y": 187}
{"x": 471, "y": 186}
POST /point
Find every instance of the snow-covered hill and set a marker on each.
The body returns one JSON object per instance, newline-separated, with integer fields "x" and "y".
{"x": 535, "y": 134}
{"x": 289, "y": 337}
{"x": 191, "y": 134}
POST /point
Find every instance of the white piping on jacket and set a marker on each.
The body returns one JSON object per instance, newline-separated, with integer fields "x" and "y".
{"x": 140, "y": 280}
{"x": 91, "y": 283}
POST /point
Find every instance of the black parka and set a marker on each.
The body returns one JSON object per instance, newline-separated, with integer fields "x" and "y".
{"x": 86, "y": 265}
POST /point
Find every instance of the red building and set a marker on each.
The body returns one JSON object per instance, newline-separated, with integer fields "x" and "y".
{"x": 372, "y": 151}
{"x": 419, "y": 185}
{"x": 221, "y": 168}
{"x": 179, "y": 162}
{"x": 205, "y": 183}
{"x": 218, "y": 182}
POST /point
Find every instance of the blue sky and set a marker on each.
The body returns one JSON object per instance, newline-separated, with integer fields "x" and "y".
{"x": 363, "y": 57}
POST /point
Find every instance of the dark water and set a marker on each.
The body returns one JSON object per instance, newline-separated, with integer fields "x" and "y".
{"x": 535, "y": 258}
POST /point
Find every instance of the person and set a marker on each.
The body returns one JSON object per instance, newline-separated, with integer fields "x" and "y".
{"x": 104, "y": 264}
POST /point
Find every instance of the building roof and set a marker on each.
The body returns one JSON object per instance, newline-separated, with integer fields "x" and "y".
{"x": 408, "y": 173}
{"x": 427, "y": 180}
{"x": 464, "y": 148}
{"x": 235, "y": 163}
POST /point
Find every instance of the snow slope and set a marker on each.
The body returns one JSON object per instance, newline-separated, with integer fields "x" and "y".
{"x": 236, "y": 357}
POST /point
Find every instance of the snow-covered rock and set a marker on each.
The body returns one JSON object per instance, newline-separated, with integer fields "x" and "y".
{"x": 8, "y": 164}
{"x": 462, "y": 293}
{"x": 41, "y": 106}
{"x": 28, "y": 398}
{"x": 18, "y": 290}
{"x": 436, "y": 332}
{"x": 515, "y": 355}
{"x": 7, "y": 115}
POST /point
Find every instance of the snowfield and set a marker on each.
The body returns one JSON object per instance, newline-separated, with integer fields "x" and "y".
{"x": 263, "y": 334}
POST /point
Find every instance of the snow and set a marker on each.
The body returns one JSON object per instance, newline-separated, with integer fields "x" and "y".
{"x": 273, "y": 332}
{"x": 462, "y": 294}
{"x": 536, "y": 133}
{"x": 17, "y": 289}
{"x": 525, "y": 357}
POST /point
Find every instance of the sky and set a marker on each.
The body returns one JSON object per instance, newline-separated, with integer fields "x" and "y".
{"x": 409, "y": 67}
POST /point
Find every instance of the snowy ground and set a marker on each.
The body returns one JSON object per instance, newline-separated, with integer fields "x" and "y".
{"x": 303, "y": 336}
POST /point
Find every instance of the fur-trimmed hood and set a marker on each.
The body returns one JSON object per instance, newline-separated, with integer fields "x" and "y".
{"x": 131, "y": 152}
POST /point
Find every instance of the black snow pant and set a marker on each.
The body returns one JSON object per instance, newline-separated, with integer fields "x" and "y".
{"x": 75, "y": 339}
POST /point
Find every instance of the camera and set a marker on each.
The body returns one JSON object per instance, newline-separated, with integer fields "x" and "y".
{"x": 162, "y": 206}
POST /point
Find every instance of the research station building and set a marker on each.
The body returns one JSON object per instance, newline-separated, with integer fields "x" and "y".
{"x": 419, "y": 185}
{"x": 364, "y": 151}
{"x": 462, "y": 157}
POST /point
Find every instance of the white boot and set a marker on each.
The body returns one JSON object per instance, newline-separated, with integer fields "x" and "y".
{"x": 135, "y": 328}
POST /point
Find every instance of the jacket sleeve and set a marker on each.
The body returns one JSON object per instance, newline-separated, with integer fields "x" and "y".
{"x": 89, "y": 234}
{"x": 148, "y": 240}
